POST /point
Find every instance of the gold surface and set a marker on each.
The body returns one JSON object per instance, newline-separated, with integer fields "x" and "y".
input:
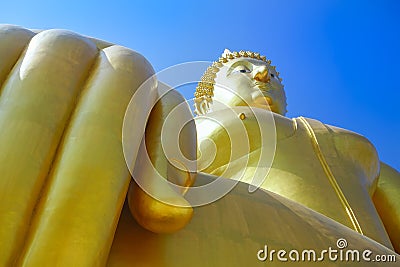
{"x": 63, "y": 175}
{"x": 88, "y": 181}
{"x": 387, "y": 202}
{"x": 156, "y": 215}
{"x": 328, "y": 169}
{"x": 36, "y": 102}
{"x": 300, "y": 176}
{"x": 64, "y": 179}
{"x": 331, "y": 177}
{"x": 231, "y": 231}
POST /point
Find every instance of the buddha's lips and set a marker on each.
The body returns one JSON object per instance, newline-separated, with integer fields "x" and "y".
{"x": 266, "y": 101}
{"x": 266, "y": 98}
{"x": 262, "y": 86}
{"x": 263, "y": 100}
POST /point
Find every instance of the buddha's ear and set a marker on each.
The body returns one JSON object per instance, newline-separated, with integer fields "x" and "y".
{"x": 226, "y": 52}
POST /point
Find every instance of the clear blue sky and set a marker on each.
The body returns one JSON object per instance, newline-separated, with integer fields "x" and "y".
{"x": 339, "y": 60}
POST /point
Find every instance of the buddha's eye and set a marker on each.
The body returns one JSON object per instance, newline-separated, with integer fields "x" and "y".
{"x": 242, "y": 69}
{"x": 272, "y": 75}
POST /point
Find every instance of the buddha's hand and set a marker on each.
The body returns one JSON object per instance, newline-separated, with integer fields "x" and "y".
{"x": 165, "y": 166}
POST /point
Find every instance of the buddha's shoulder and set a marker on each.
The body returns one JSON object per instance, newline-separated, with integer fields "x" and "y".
{"x": 343, "y": 139}
{"x": 347, "y": 144}
{"x": 253, "y": 120}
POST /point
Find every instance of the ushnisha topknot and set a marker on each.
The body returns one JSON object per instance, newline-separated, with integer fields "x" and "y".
{"x": 205, "y": 88}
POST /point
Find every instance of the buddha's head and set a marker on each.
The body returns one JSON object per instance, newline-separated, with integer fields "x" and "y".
{"x": 240, "y": 79}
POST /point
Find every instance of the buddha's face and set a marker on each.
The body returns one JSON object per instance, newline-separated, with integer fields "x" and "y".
{"x": 249, "y": 82}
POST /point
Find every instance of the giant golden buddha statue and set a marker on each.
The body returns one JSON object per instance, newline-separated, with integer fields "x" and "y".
{"x": 239, "y": 228}
{"x": 331, "y": 170}
{"x": 67, "y": 197}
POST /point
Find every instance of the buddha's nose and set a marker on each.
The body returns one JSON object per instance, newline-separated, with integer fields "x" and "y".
{"x": 262, "y": 74}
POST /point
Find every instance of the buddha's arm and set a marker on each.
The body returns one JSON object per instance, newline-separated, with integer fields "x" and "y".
{"x": 387, "y": 202}
{"x": 360, "y": 153}
{"x": 383, "y": 186}
{"x": 156, "y": 215}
